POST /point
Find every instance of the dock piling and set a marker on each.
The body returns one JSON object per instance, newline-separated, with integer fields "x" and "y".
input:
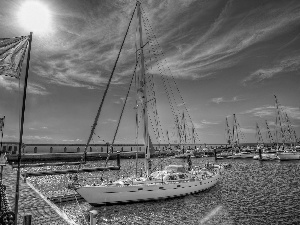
{"x": 24, "y": 177}
{"x": 27, "y": 220}
{"x": 93, "y": 218}
{"x": 215, "y": 153}
{"x": 259, "y": 151}
{"x": 118, "y": 159}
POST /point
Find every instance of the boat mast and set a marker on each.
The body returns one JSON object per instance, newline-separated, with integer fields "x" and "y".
{"x": 229, "y": 139}
{"x": 258, "y": 135}
{"x": 278, "y": 122}
{"x": 143, "y": 91}
{"x": 235, "y": 129}
{"x": 269, "y": 134}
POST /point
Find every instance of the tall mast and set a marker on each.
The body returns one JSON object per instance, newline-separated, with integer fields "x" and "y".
{"x": 278, "y": 122}
{"x": 269, "y": 134}
{"x": 143, "y": 91}
{"x": 258, "y": 135}
{"x": 229, "y": 138}
{"x": 235, "y": 129}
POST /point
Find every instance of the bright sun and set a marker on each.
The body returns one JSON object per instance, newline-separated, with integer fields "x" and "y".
{"x": 35, "y": 17}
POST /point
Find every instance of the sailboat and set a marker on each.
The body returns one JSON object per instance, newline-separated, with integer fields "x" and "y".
{"x": 172, "y": 181}
{"x": 236, "y": 135}
{"x": 287, "y": 153}
{"x": 264, "y": 154}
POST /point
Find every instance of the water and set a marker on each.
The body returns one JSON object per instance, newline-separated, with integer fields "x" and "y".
{"x": 250, "y": 192}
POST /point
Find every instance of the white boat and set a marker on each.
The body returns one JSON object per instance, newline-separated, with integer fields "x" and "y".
{"x": 241, "y": 155}
{"x": 173, "y": 181}
{"x": 288, "y": 155}
{"x": 267, "y": 156}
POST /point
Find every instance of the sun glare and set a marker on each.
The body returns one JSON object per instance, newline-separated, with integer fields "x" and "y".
{"x": 35, "y": 17}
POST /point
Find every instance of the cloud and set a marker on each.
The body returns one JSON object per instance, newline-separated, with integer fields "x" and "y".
{"x": 210, "y": 123}
{"x": 204, "y": 124}
{"x": 263, "y": 111}
{"x": 270, "y": 111}
{"x": 218, "y": 47}
{"x": 248, "y": 130}
{"x": 221, "y": 99}
{"x": 36, "y": 137}
{"x": 12, "y": 84}
{"x": 72, "y": 140}
{"x": 289, "y": 64}
{"x": 122, "y": 100}
{"x": 10, "y": 137}
{"x": 199, "y": 125}
{"x": 109, "y": 121}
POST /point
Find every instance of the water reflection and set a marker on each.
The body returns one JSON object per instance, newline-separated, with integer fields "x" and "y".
{"x": 250, "y": 192}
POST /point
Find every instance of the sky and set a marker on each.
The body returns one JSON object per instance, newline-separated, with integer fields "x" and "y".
{"x": 226, "y": 57}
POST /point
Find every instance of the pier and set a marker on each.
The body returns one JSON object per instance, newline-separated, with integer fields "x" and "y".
{"x": 32, "y": 202}
{"x": 58, "y": 172}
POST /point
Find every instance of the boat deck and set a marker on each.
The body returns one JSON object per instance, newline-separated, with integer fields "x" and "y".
{"x": 31, "y": 202}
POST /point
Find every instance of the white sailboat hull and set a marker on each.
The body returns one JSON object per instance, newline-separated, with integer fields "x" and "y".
{"x": 241, "y": 156}
{"x": 288, "y": 156}
{"x": 110, "y": 195}
{"x": 266, "y": 156}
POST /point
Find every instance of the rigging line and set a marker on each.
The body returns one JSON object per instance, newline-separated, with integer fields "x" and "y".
{"x": 164, "y": 81}
{"x": 109, "y": 81}
{"x": 156, "y": 118}
{"x": 133, "y": 75}
{"x": 85, "y": 222}
{"x": 99, "y": 137}
{"x": 170, "y": 94}
{"x": 156, "y": 52}
{"x": 142, "y": 47}
{"x": 152, "y": 123}
{"x": 151, "y": 84}
{"x": 171, "y": 74}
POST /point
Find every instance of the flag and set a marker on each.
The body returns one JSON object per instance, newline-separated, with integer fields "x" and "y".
{"x": 2, "y": 123}
{"x": 12, "y": 52}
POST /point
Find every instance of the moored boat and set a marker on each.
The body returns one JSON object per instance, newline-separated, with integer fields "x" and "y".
{"x": 241, "y": 155}
{"x": 173, "y": 181}
{"x": 266, "y": 156}
{"x": 288, "y": 155}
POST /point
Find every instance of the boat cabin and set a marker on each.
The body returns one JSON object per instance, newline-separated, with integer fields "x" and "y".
{"x": 176, "y": 168}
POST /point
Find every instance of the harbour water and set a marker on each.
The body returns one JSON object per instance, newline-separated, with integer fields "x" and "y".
{"x": 250, "y": 192}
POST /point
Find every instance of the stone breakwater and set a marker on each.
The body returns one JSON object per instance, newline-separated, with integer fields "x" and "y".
{"x": 31, "y": 202}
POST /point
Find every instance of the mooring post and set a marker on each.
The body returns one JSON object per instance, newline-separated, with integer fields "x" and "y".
{"x": 259, "y": 152}
{"x": 215, "y": 153}
{"x": 118, "y": 159}
{"x": 93, "y": 218}
{"x": 27, "y": 220}
{"x": 25, "y": 176}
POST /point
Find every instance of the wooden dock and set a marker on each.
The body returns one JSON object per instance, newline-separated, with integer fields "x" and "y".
{"x": 65, "y": 198}
{"x": 58, "y": 172}
{"x": 32, "y": 202}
